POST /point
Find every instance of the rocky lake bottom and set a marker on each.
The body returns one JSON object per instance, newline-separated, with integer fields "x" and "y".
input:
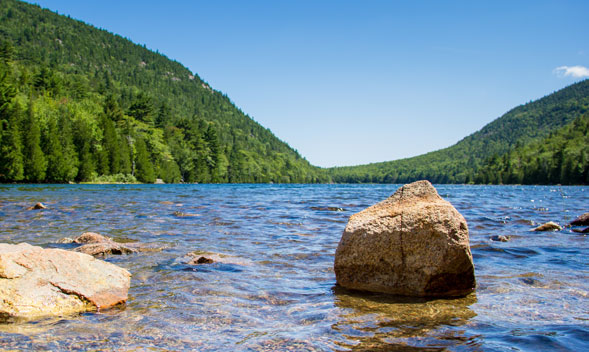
{"x": 272, "y": 285}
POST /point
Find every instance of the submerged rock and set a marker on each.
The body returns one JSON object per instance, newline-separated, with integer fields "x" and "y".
{"x": 414, "y": 244}
{"x": 549, "y": 226}
{"x": 180, "y": 214}
{"x": 328, "y": 209}
{"x": 585, "y": 230}
{"x": 582, "y": 220}
{"x": 37, "y": 206}
{"x": 104, "y": 248}
{"x": 500, "y": 238}
{"x": 98, "y": 245}
{"x": 37, "y": 282}
{"x": 203, "y": 257}
{"x": 201, "y": 260}
{"x": 91, "y": 237}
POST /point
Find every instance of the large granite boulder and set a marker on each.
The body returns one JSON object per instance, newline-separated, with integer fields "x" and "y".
{"x": 36, "y": 282}
{"x": 414, "y": 244}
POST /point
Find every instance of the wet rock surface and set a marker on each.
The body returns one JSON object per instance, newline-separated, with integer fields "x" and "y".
{"x": 204, "y": 257}
{"x": 500, "y": 238}
{"x": 328, "y": 209}
{"x": 180, "y": 214}
{"x": 201, "y": 260}
{"x": 36, "y": 282}
{"x": 549, "y": 226}
{"x": 37, "y": 206}
{"x": 98, "y": 245}
{"x": 582, "y": 220}
{"x": 414, "y": 244}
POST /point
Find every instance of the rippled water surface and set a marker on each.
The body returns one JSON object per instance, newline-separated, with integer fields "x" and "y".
{"x": 275, "y": 289}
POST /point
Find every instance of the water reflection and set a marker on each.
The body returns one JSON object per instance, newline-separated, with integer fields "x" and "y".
{"x": 389, "y": 323}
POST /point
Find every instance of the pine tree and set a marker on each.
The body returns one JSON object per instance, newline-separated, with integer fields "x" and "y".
{"x": 213, "y": 145}
{"x": 124, "y": 156}
{"x": 11, "y": 156}
{"x": 144, "y": 172}
{"x": 35, "y": 161}
{"x": 87, "y": 170}
{"x": 109, "y": 146}
{"x": 69, "y": 169}
{"x": 54, "y": 152}
{"x": 142, "y": 109}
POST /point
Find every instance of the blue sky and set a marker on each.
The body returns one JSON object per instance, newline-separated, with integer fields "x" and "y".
{"x": 353, "y": 82}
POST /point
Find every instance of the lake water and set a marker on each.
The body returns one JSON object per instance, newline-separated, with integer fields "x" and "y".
{"x": 276, "y": 290}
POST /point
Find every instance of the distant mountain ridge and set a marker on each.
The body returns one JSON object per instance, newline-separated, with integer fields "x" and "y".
{"x": 461, "y": 162}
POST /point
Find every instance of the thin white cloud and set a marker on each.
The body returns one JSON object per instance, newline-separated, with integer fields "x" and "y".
{"x": 572, "y": 71}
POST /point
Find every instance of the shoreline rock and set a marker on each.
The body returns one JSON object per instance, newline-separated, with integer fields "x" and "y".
{"x": 36, "y": 282}
{"x": 412, "y": 244}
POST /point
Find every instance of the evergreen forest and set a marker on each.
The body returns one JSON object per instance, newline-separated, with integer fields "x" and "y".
{"x": 79, "y": 104}
{"x": 560, "y": 158}
{"x": 551, "y": 127}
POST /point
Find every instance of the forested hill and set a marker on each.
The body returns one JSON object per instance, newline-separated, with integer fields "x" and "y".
{"x": 560, "y": 158}
{"x": 80, "y": 104}
{"x": 469, "y": 160}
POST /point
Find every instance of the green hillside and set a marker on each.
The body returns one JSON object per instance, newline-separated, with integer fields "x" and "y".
{"x": 460, "y": 163}
{"x": 560, "y": 158}
{"x": 80, "y": 104}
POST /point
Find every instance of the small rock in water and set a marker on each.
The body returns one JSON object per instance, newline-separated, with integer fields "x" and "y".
{"x": 582, "y": 220}
{"x": 166, "y": 202}
{"x": 585, "y": 230}
{"x": 91, "y": 237}
{"x": 37, "y": 206}
{"x": 184, "y": 215}
{"x": 96, "y": 244}
{"x": 530, "y": 281}
{"x": 201, "y": 260}
{"x": 204, "y": 257}
{"x": 549, "y": 226}
{"x": 500, "y": 238}
{"x": 104, "y": 248}
{"x": 328, "y": 208}
{"x": 414, "y": 244}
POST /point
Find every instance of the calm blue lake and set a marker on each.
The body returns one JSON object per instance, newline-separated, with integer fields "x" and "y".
{"x": 276, "y": 289}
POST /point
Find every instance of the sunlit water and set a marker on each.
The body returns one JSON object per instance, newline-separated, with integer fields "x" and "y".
{"x": 277, "y": 292}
